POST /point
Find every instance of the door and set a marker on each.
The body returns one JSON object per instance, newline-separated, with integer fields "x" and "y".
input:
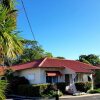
{"x": 67, "y": 78}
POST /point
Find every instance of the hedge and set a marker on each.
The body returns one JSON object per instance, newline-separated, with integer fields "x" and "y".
{"x": 41, "y": 89}
{"x": 61, "y": 86}
{"x": 83, "y": 86}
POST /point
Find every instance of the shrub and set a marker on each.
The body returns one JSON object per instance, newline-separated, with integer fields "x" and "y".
{"x": 52, "y": 93}
{"x": 83, "y": 86}
{"x": 32, "y": 90}
{"x": 14, "y": 83}
{"x": 61, "y": 86}
{"x": 39, "y": 90}
{"x": 26, "y": 90}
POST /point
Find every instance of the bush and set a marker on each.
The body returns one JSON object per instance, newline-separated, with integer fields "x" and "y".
{"x": 52, "y": 93}
{"x": 39, "y": 90}
{"x": 61, "y": 86}
{"x": 14, "y": 83}
{"x": 26, "y": 90}
{"x": 32, "y": 90}
{"x": 83, "y": 86}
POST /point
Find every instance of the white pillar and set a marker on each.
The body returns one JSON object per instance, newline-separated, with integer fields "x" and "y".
{"x": 92, "y": 81}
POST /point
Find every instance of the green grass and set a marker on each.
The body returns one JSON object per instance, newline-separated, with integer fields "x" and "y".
{"x": 94, "y": 91}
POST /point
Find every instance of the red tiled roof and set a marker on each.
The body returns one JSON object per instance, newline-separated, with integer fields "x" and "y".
{"x": 71, "y": 64}
{"x": 27, "y": 65}
{"x": 62, "y": 63}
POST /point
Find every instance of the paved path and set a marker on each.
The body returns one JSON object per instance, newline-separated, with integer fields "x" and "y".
{"x": 83, "y": 97}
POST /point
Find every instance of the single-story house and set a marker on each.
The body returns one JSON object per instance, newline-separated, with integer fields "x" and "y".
{"x": 53, "y": 70}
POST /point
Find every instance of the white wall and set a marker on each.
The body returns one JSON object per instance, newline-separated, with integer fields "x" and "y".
{"x": 29, "y": 73}
{"x": 85, "y": 77}
{"x": 38, "y": 75}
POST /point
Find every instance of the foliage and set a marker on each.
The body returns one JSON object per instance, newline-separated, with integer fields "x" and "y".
{"x": 90, "y": 59}
{"x": 32, "y": 51}
{"x": 83, "y": 86}
{"x": 40, "y": 90}
{"x": 97, "y": 79}
{"x": 94, "y": 91}
{"x": 3, "y": 85}
{"x": 61, "y": 86}
{"x": 59, "y": 57}
{"x": 15, "y": 81}
{"x": 10, "y": 44}
{"x": 52, "y": 93}
{"x": 94, "y": 60}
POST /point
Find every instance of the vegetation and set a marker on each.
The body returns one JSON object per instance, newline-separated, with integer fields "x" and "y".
{"x": 14, "y": 81}
{"x": 3, "y": 85}
{"x": 43, "y": 90}
{"x": 90, "y": 59}
{"x": 94, "y": 91}
{"x": 93, "y": 60}
{"x": 83, "y": 86}
{"x": 59, "y": 57}
{"x": 32, "y": 51}
{"x": 10, "y": 44}
{"x": 14, "y": 49}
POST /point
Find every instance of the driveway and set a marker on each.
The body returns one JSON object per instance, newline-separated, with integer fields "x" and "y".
{"x": 87, "y": 97}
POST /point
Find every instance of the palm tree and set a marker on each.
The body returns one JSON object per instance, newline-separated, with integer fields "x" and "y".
{"x": 3, "y": 85}
{"x": 10, "y": 44}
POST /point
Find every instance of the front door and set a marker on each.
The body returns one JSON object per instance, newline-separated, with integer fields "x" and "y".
{"x": 67, "y": 78}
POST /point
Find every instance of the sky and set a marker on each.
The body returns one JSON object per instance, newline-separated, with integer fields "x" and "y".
{"x": 67, "y": 28}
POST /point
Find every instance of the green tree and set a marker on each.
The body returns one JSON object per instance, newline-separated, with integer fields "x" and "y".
{"x": 3, "y": 85}
{"x": 32, "y": 51}
{"x": 90, "y": 59}
{"x": 10, "y": 44}
{"x": 59, "y": 57}
{"x": 93, "y": 60}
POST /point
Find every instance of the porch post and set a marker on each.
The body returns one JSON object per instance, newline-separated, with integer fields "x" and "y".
{"x": 92, "y": 82}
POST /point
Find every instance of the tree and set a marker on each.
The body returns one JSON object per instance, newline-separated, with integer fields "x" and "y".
{"x": 90, "y": 59}
{"x": 10, "y": 44}
{"x": 59, "y": 57}
{"x": 93, "y": 60}
{"x": 32, "y": 51}
{"x": 3, "y": 86}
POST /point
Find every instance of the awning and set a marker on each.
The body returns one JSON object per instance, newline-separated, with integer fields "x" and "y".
{"x": 53, "y": 73}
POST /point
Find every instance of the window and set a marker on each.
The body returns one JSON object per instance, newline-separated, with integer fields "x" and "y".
{"x": 52, "y": 76}
{"x": 67, "y": 78}
{"x": 51, "y": 79}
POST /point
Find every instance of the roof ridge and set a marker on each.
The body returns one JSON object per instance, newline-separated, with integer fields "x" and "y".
{"x": 43, "y": 61}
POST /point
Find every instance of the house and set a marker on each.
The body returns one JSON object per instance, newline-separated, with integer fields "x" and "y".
{"x": 53, "y": 70}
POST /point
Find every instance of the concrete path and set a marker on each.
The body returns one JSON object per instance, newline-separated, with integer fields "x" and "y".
{"x": 86, "y": 95}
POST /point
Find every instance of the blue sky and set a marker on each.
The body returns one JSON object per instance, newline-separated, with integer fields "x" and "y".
{"x": 65, "y": 28}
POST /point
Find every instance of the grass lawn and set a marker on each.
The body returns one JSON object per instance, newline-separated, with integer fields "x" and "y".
{"x": 95, "y": 91}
